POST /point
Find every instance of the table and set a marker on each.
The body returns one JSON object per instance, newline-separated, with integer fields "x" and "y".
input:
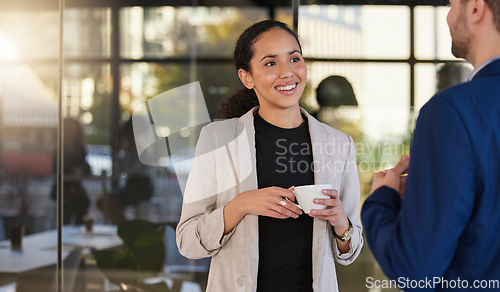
{"x": 40, "y": 249}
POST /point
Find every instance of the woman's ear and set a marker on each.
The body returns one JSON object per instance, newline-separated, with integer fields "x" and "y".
{"x": 246, "y": 78}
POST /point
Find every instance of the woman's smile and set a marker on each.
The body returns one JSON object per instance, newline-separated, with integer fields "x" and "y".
{"x": 287, "y": 88}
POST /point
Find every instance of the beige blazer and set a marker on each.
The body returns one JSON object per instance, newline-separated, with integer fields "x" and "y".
{"x": 225, "y": 166}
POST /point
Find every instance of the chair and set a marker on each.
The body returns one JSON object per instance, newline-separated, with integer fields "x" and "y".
{"x": 143, "y": 266}
{"x": 140, "y": 257}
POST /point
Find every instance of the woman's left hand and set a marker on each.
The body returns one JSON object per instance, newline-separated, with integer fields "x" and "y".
{"x": 333, "y": 212}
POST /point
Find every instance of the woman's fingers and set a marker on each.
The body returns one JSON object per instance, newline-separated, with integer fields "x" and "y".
{"x": 331, "y": 192}
{"x": 277, "y": 202}
{"x": 288, "y": 208}
{"x": 286, "y": 202}
{"x": 291, "y": 206}
{"x": 332, "y": 201}
{"x": 329, "y": 211}
{"x": 327, "y": 202}
{"x": 286, "y": 194}
{"x": 289, "y": 213}
{"x": 281, "y": 212}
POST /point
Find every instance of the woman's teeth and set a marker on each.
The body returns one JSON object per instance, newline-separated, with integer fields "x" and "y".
{"x": 286, "y": 88}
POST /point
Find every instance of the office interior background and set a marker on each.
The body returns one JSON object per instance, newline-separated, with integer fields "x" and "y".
{"x": 116, "y": 55}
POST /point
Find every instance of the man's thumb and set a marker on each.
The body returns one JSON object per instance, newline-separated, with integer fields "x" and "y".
{"x": 403, "y": 164}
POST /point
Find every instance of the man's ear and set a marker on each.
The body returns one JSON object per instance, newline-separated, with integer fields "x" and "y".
{"x": 246, "y": 78}
{"x": 478, "y": 10}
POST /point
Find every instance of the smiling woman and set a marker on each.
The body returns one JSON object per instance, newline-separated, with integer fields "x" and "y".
{"x": 278, "y": 76}
{"x": 256, "y": 240}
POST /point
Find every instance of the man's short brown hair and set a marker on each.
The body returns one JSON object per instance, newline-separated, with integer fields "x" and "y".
{"x": 495, "y": 9}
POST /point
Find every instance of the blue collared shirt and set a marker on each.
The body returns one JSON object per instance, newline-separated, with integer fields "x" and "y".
{"x": 482, "y": 66}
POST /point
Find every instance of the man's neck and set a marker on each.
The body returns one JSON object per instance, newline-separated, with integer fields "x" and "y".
{"x": 485, "y": 45}
{"x": 485, "y": 53}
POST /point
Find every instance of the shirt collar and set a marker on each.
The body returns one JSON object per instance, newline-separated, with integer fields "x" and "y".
{"x": 480, "y": 67}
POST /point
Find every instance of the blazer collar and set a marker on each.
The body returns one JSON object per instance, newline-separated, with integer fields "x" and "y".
{"x": 318, "y": 139}
{"x": 248, "y": 162}
{"x": 492, "y": 68}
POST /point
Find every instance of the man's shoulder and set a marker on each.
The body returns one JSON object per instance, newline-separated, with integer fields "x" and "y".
{"x": 464, "y": 96}
{"x": 450, "y": 94}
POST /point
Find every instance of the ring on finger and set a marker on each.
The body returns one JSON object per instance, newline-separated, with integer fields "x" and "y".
{"x": 283, "y": 202}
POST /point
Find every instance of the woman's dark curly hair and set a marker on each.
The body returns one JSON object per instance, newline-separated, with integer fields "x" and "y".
{"x": 245, "y": 99}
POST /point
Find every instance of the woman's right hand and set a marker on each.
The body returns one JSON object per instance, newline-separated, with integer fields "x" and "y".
{"x": 269, "y": 202}
{"x": 264, "y": 202}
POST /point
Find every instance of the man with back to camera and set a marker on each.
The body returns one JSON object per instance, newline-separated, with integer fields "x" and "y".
{"x": 437, "y": 228}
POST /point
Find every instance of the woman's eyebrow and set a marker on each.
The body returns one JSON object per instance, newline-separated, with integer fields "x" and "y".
{"x": 268, "y": 56}
{"x": 274, "y": 56}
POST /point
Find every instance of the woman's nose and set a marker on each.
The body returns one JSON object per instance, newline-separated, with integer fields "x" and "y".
{"x": 286, "y": 71}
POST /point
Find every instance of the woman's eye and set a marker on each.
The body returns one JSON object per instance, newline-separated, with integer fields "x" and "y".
{"x": 296, "y": 59}
{"x": 269, "y": 64}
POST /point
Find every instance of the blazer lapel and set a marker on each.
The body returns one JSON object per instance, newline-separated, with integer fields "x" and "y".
{"x": 246, "y": 152}
{"x": 248, "y": 181}
{"x": 318, "y": 140}
{"x": 326, "y": 157}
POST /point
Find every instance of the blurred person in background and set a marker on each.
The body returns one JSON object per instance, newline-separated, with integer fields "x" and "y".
{"x": 136, "y": 185}
{"x": 450, "y": 74}
{"x": 75, "y": 199}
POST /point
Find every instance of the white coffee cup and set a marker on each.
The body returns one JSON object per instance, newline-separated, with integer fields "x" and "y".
{"x": 306, "y": 194}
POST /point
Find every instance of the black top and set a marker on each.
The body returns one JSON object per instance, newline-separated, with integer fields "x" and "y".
{"x": 284, "y": 159}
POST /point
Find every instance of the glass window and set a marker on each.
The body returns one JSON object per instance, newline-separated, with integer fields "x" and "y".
{"x": 285, "y": 14}
{"x": 28, "y": 123}
{"x": 142, "y": 81}
{"x": 381, "y": 91}
{"x": 379, "y": 124}
{"x": 432, "y": 35}
{"x": 334, "y": 31}
{"x": 87, "y": 32}
{"x": 88, "y": 89}
{"x": 186, "y": 31}
{"x": 29, "y": 35}
{"x": 28, "y": 139}
{"x": 425, "y": 83}
{"x": 386, "y": 99}
{"x": 431, "y": 78}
